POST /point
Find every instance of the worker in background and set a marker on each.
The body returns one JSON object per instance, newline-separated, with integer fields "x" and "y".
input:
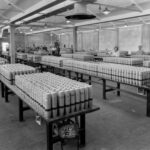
{"x": 57, "y": 46}
{"x": 116, "y": 52}
{"x": 140, "y": 51}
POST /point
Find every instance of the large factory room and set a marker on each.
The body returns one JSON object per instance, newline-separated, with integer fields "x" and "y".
{"x": 74, "y": 74}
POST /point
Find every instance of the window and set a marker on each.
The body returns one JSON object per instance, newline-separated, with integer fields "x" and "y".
{"x": 5, "y": 46}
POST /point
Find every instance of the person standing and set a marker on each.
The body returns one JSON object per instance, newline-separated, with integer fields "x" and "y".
{"x": 57, "y": 46}
{"x": 140, "y": 51}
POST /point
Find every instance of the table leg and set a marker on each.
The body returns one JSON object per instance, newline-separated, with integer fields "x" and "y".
{"x": 118, "y": 87}
{"x": 69, "y": 73}
{"x": 77, "y": 75}
{"x": 2, "y": 89}
{"x": 49, "y": 133}
{"x": 20, "y": 110}
{"x": 81, "y": 78}
{"x": 148, "y": 104}
{"x": 6, "y": 94}
{"x": 41, "y": 68}
{"x": 53, "y": 70}
{"x": 64, "y": 72}
{"x": 82, "y": 132}
{"x": 90, "y": 78}
{"x": 104, "y": 89}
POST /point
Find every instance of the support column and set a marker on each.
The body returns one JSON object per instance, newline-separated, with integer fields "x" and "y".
{"x": 104, "y": 89}
{"x": 145, "y": 41}
{"x": 74, "y": 39}
{"x": 49, "y": 134}
{"x": 117, "y": 37}
{"x": 2, "y": 89}
{"x": 0, "y": 46}
{"x": 99, "y": 37}
{"x": 20, "y": 110}
{"x": 82, "y": 132}
{"x": 12, "y": 44}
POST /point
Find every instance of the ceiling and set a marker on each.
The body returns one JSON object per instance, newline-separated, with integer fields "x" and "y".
{"x": 30, "y": 15}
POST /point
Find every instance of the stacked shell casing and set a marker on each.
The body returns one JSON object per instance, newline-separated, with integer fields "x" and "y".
{"x": 146, "y": 63}
{"x": 136, "y": 76}
{"x": 8, "y": 71}
{"x": 144, "y": 57}
{"x": 34, "y": 58}
{"x": 81, "y": 67}
{"x": 125, "y": 61}
{"x": 132, "y": 75}
{"x": 53, "y": 61}
{"x": 53, "y": 96}
{"x": 21, "y": 56}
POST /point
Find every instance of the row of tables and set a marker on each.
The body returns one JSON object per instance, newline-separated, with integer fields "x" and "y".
{"x": 7, "y": 89}
{"x": 80, "y": 77}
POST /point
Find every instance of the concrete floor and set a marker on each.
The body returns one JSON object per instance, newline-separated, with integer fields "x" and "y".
{"x": 121, "y": 124}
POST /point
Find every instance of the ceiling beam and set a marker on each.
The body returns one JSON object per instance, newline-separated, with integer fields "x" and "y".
{"x": 129, "y": 15}
{"x": 35, "y": 9}
{"x": 131, "y": 7}
{"x": 44, "y": 30}
{"x": 52, "y": 11}
{"x": 4, "y": 24}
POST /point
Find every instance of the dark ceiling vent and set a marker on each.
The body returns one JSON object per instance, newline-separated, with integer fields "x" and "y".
{"x": 80, "y": 13}
{"x": 80, "y": 17}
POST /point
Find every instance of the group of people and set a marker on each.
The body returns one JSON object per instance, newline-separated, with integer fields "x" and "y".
{"x": 116, "y": 52}
{"x": 53, "y": 50}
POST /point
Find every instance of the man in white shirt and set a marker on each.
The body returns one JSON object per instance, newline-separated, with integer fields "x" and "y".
{"x": 116, "y": 52}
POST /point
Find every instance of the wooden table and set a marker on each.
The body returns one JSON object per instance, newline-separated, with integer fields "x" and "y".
{"x": 22, "y": 97}
{"x": 104, "y": 84}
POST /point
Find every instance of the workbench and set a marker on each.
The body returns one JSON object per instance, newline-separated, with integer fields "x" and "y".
{"x": 7, "y": 88}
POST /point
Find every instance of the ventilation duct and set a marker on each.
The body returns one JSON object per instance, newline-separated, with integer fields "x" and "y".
{"x": 80, "y": 13}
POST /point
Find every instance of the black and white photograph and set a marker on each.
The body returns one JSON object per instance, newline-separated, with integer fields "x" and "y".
{"x": 74, "y": 74}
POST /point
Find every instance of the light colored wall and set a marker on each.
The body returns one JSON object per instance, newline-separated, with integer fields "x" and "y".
{"x": 130, "y": 38}
{"x": 127, "y": 38}
{"x": 40, "y": 39}
{"x": 88, "y": 40}
{"x": 107, "y": 39}
{"x": 37, "y": 39}
{"x": 20, "y": 40}
{"x": 66, "y": 39}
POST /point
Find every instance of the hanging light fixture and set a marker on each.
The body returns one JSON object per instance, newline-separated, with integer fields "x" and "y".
{"x": 125, "y": 25}
{"x": 31, "y": 29}
{"x": 106, "y": 11}
{"x": 68, "y": 21}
